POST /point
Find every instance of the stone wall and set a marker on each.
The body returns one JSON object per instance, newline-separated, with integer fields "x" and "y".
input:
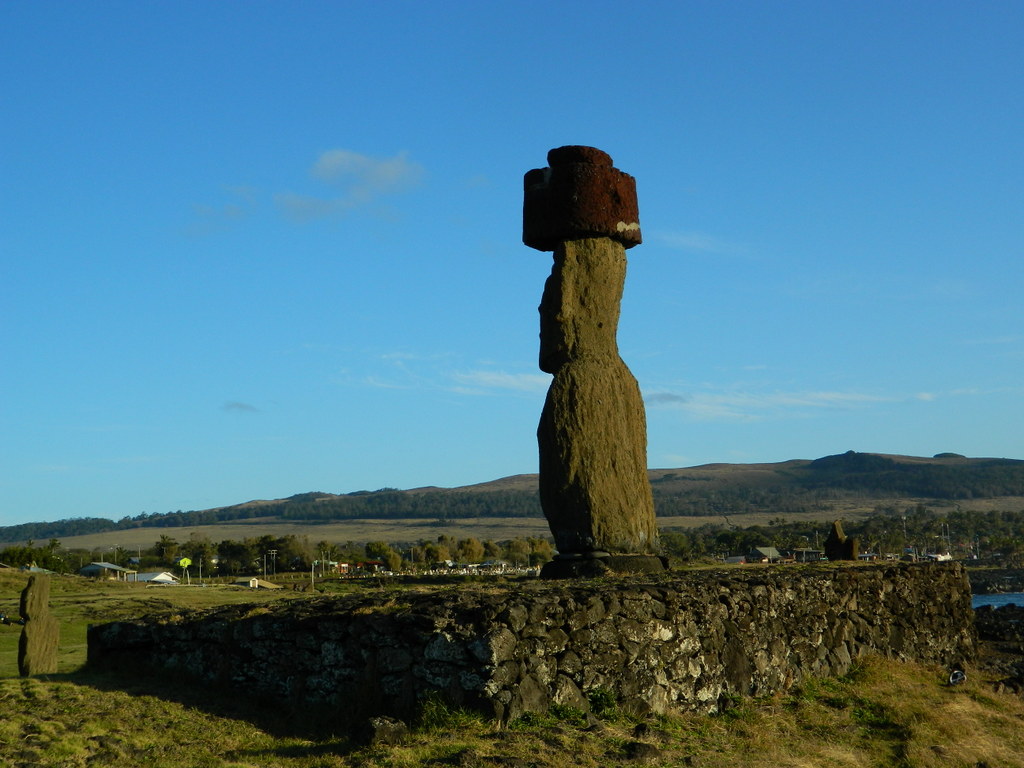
{"x": 686, "y": 640}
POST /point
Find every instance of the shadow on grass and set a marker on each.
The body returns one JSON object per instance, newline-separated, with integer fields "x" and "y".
{"x": 280, "y": 719}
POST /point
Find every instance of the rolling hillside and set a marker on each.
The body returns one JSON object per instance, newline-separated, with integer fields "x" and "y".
{"x": 792, "y": 488}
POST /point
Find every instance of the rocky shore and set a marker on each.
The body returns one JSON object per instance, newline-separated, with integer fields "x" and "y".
{"x": 1001, "y": 645}
{"x": 989, "y": 581}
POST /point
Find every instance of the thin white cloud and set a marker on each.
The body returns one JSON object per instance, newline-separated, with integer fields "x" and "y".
{"x": 700, "y": 242}
{"x": 404, "y": 370}
{"x": 996, "y": 340}
{"x": 354, "y": 180}
{"x": 55, "y": 469}
{"x": 209, "y": 218}
{"x": 380, "y": 383}
{"x": 753, "y": 406}
{"x": 948, "y": 290}
{"x": 361, "y": 178}
{"x": 475, "y": 381}
{"x": 308, "y": 208}
{"x": 978, "y": 391}
{"x": 665, "y": 398}
{"x": 365, "y": 175}
{"x": 233, "y": 406}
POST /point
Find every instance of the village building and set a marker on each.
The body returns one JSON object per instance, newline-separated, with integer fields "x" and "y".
{"x": 107, "y": 571}
{"x": 763, "y": 555}
{"x": 161, "y": 577}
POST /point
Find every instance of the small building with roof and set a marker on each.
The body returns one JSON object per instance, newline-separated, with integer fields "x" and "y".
{"x": 107, "y": 571}
{"x": 161, "y": 577}
{"x": 763, "y": 555}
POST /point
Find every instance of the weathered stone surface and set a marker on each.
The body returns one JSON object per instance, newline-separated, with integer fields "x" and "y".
{"x": 579, "y": 195}
{"x": 592, "y": 436}
{"x": 383, "y": 731}
{"x": 562, "y": 643}
{"x": 838, "y": 546}
{"x": 37, "y": 647}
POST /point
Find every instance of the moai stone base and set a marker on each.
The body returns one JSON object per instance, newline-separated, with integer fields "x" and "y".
{"x": 37, "y": 648}
{"x": 592, "y": 436}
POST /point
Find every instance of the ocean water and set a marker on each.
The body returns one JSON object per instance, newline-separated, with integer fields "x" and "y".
{"x": 1004, "y": 598}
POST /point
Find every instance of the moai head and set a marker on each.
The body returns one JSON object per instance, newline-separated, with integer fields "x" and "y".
{"x": 579, "y": 195}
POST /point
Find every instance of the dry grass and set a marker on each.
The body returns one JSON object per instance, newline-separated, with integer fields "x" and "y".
{"x": 77, "y": 602}
{"x": 483, "y": 528}
{"x": 884, "y": 714}
{"x": 392, "y": 530}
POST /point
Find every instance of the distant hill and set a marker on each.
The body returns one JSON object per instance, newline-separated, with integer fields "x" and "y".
{"x": 782, "y": 488}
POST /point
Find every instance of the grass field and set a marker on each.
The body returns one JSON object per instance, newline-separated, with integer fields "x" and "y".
{"x": 883, "y": 714}
{"x": 408, "y": 530}
{"x": 393, "y": 531}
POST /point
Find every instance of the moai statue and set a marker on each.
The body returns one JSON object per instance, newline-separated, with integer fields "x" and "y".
{"x": 839, "y": 546}
{"x": 37, "y": 648}
{"x": 592, "y": 436}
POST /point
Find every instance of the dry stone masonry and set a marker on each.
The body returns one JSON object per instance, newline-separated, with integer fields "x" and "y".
{"x": 592, "y": 436}
{"x": 684, "y": 641}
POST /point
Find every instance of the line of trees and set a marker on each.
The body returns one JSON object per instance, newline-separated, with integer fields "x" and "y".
{"x": 888, "y": 530}
{"x": 270, "y": 554}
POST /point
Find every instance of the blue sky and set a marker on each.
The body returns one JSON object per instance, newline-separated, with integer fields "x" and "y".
{"x": 252, "y": 249}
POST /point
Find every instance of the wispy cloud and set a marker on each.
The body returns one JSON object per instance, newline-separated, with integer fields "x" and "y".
{"x": 700, "y": 242}
{"x": 441, "y": 372}
{"x": 364, "y": 175}
{"x": 234, "y": 406}
{"x": 360, "y": 178}
{"x": 753, "y": 406}
{"x": 379, "y": 382}
{"x": 986, "y": 392}
{"x": 949, "y": 290}
{"x": 402, "y": 369}
{"x": 996, "y": 340}
{"x": 665, "y": 398}
{"x": 479, "y": 382}
{"x": 240, "y": 203}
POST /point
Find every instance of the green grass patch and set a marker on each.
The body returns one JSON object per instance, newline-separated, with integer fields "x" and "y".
{"x": 882, "y": 713}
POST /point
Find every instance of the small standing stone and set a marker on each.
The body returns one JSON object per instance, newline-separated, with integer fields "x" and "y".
{"x": 37, "y": 649}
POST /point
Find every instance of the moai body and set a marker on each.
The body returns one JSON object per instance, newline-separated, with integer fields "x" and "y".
{"x": 839, "y": 546}
{"x": 37, "y": 647}
{"x": 592, "y": 436}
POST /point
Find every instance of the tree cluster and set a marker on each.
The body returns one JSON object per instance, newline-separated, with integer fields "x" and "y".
{"x": 888, "y": 530}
